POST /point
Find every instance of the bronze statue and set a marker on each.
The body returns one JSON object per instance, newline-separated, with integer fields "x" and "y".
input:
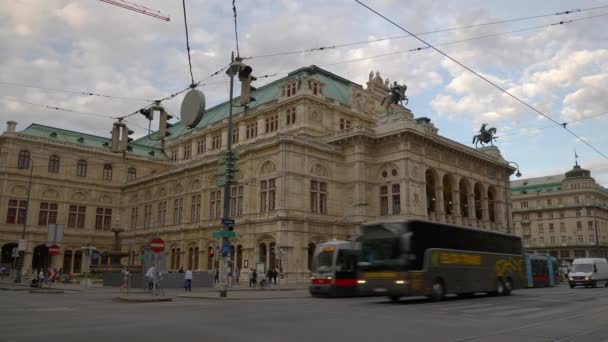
{"x": 485, "y": 135}
{"x": 396, "y": 95}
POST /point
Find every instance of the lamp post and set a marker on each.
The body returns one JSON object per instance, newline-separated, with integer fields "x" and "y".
{"x": 27, "y": 208}
{"x": 508, "y": 211}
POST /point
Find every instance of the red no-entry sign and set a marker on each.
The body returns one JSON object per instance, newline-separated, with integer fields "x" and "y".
{"x": 157, "y": 245}
{"x": 54, "y": 249}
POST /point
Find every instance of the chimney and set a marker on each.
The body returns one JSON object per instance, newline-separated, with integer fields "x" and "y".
{"x": 11, "y": 127}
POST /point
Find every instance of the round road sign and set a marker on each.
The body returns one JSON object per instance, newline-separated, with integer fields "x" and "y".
{"x": 54, "y": 249}
{"x": 193, "y": 107}
{"x": 157, "y": 245}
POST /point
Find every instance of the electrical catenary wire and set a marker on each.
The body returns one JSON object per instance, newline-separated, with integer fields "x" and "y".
{"x": 484, "y": 78}
{"x": 322, "y": 48}
{"x": 55, "y": 108}
{"x": 86, "y": 93}
{"x": 188, "y": 44}
{"x": 529, "y": 130}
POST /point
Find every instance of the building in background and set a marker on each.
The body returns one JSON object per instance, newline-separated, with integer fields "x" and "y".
{"x": 565, "y": 215}
{"x": 318, "y": 156}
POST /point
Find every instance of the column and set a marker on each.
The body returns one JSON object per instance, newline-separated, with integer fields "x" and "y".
{"x": 71, "y": 270}
{"x": 456, "y": 202}
{"x": 439, "y": 207}
{"x": 485, "y": 214}
{"x": 471, "y": 208}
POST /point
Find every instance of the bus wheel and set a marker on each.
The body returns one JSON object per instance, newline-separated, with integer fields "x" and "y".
{"x": 438, "y": 290}
{"x": 594, "y": 284}
{"x": 394, "y": 298}
{"x": 500, "y": 288}
{"x": 572, "y": 286}
{"x": 508, "y": 285}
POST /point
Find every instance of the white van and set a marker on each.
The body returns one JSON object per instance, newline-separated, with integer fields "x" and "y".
{"x": 588, "y": 272}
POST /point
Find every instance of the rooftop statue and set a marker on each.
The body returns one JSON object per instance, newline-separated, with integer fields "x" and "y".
{"x": 396, "y": 95}
{"x": 485, "y": 135}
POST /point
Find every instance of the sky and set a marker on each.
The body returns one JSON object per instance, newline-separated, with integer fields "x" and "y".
{"x": 91, "y": 46}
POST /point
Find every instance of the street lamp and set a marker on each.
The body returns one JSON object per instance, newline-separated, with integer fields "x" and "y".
{"x": 27, "y": 208}
{"x": 508, "y": 211}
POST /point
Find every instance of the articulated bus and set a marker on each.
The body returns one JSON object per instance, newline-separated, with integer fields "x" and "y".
{"x": 419, "y": 258}
{"x": 334, "y": 272}
{"x": 541, "y": 270}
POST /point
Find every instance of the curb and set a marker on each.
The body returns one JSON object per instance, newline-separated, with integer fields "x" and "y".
{"x": 47, "y": 291}
{"x": 232, "y": 298}
{"x": 144, "y": 300}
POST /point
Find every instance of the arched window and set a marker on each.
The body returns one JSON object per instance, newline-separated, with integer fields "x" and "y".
{"x": 464, "y": 198}
{"x": 478, "y": 209}
{"x": 273, "y": 256}
{"x": 107, "y": 172}
{"x": 311, "y": 255}
{"x": 448, "y": 203}
{"x": 196, "y": 252}
{"x": 239, "y": 257}
{"x": 81, "y": 168}
{"x": 262, "y": 256}
{"x": 430, "y": 192}
{"x": 492, "y": 204}
{"x": 54, "y": 164}
{"x": 131, "y": 174}
{"x": 24, "y": 159}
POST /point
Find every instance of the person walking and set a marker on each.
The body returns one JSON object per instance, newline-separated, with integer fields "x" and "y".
{"x": 269, "y": 277}
{"x": 275, "y": 274}
{"x": 188, "y": 277}
{"x": 151, "y": 276}
{"x": 216, "y": 279}
{"x": 237, "y": 275}
{"x": 40, "y": 278}
{"x": 255, "y": 278}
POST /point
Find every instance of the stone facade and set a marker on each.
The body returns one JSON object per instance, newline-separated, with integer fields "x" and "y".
{"x": 318, "y": 156}
{"x": 562, "y": 215}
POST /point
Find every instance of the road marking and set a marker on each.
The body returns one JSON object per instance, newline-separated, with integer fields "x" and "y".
{"x": 517, "y": 311}
{"x": 493, "y": 308}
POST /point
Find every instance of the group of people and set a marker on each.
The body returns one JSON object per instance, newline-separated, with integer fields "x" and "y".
{"x": 271, "y": 276}
{"x": 234, "y": 277}
{"x": 46, "y": 278}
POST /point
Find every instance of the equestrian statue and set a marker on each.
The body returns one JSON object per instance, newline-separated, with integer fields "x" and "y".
{"x": 485, "y": 135}
{"x": 396, "y": 96}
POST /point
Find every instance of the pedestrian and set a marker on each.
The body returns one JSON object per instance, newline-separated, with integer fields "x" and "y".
{"x": 60, "y": 275}
{"x": 269, "y": 277}
{"x": 181, "y": 270}
{"x": 188, "y": 277}
{"x": 255, "y": 278}
{"x": 275, "y": 274}
{"x": 217, "y": 276}
{"x": 125, "y": 278}
{"x": 250, "y": 277}
{"x": 40, "y": 278}
{"x": 237, "y": 275}
{"x": 151, "y": 276}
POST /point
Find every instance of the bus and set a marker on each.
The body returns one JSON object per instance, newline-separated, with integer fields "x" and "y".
{"x": 541, "y": 270}
{"x": 420, "y": 258}
{"x": 334, "y": 269}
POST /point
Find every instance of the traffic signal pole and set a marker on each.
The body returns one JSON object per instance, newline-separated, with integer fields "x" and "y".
{"x": 225, "y": 246}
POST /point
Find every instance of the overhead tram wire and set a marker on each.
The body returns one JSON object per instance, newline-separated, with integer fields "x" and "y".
{"x": 529, "y": 130}
{"x": 188, "y": 44}
{"x": 322, "y": 48}
{"x": 484, "y": 78}
{"x": 236, "y": 32}
{"x": 55, "y": 108}
{"x": 86, "y": 93}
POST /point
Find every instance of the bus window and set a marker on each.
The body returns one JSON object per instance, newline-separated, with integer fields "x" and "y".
{"x": 324, "y": 261}
{"x": 347, "y": 261}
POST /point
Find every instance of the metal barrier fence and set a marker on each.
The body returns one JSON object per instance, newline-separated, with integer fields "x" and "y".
{"x": 167, "y": 281}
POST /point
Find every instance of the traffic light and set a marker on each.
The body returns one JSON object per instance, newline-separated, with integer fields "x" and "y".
{"x": 231, "y": 227}
{"x": 147, "y": 112}
{"x": 129, "y": 132}
{"x": 246, "y": 88}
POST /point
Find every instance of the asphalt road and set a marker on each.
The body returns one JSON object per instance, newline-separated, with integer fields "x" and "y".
{"x": 549, "y": 314}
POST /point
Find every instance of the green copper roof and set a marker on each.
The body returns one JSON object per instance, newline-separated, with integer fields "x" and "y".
{"x": 88, "y": 140}
{"x": 336, "y": 88}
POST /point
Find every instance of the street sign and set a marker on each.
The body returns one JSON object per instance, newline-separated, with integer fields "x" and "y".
{"x": 54, "y": 250}
{"x": 55, "y": 234}
{"x": 15, "y": 252}
{"x": 22, "y": 245}
{"x": 229, "y": 222}
{"x": 226, "y": 249}
{"x": 223, "y": 233}
{"x": 157, "y": 245}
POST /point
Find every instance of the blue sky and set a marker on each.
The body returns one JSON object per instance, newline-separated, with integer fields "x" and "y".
{"x": 93, "y": 46}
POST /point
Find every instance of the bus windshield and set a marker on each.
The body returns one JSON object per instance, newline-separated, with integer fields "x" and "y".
{"x": 324, "y": 261}
{"x": 587, "y": 268}
{"x": 383, "y": 252}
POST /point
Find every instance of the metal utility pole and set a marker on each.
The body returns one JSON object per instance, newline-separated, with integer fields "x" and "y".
{"x": 507, "y": 207}
{"x": 233, "y": 69}
{"x": 27, "y": 208}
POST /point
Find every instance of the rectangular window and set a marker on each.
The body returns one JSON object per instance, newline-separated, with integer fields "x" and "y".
{"x": 195, "y": 208}
{"x": 562, "y": 227}
{"x": 540, "y": 215}
{"x": 147, "y": 216}
{"x": 103, "y": 218}
{"x": 549, "y": 202}
{"x": 524, "y": 204}
{"x": 201, "y": 146}
{"x": 344, "y": 124}
{"x": 134, "y": 214}
{"x": 47, "y": 214}
{"x": 591, "y": 238}
{"x": 291, "y": 116}
{"x": 396, "y": 199}
{"x": 76, "y": 216}
{"x": 578, "y": 213}
{"x": 236, "y": 201}
{"x": 16, "y": 211}
{"x": 589, "y": 212}
{"x": 542, "y": 240}
{"x": 272, "y": 123}
{"x": 580, "y": 238}
{"x": 315, "y": 88}
{"x": 564, "y": 240}
{"x": 541, "y": 229}
{"x": 590, "y": 225}
{"x": 267, "y": 195}
{"x": 291, "y": 89}
{"x": 551, "y": 227}
{"x": 560, "y": 201}
{"x": 579, "y": 225}
{"x": 252, "y": 130}
{"x": 553, "y": 240}
{"x": 577, "y": 200}
{"x": 383, "y": 200}
{"x": 178, "y": 206}
{"x": 162, "y": 213}
{"x": 216, "y": 141}
{"x": 318, "y": 197}
{"x": 562, "y": 214}
{"x": 215, "y": 202}
{"x": 235, "y": 135}
{"x": 174, "y": 155}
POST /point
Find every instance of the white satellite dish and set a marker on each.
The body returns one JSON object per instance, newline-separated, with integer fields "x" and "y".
{"x": 193, "y": 108}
